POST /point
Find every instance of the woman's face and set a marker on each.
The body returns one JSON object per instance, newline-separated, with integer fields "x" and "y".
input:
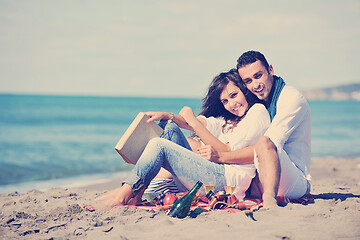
{"x": 234, "y": 100}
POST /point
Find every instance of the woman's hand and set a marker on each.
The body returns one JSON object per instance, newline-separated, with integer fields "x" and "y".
{"x": 188, "y": 114}
{"x": 209, "y": 153}
{"x": 157, "y": 116}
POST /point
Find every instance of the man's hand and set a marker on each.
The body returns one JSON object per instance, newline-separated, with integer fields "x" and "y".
{"x": 209, "y": 153}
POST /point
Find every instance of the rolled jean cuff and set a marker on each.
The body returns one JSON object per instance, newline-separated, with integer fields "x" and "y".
{"x": 135, "y": 183}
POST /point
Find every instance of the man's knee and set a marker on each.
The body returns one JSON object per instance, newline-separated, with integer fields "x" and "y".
{"x": 264, "y": 144}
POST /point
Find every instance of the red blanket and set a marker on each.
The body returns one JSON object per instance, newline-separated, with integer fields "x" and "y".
{"x": 246, "y": 204}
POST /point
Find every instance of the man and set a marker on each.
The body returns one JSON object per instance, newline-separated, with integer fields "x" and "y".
{"x": 282, "y": 156}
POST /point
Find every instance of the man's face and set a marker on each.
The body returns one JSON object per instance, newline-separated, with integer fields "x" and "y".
{"x": 257, "y": 79}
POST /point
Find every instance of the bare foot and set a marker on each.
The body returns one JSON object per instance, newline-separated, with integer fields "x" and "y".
{"x": 137, "y": 199}
{"x": 117, "y": 197}
{"x": 269, "y": 201}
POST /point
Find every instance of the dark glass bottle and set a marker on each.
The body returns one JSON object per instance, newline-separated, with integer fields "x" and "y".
{"x": 181, "y": 207}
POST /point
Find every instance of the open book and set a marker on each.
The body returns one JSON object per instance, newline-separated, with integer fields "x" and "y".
{"x": 133, "y": 142}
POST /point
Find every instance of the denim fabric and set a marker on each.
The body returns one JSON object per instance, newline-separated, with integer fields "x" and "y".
{"x": 186, "y": 166}
{"x": 173, "y": 133}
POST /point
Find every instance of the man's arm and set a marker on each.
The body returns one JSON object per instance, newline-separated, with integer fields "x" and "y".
{"x": 290, "y": 112}
{"x": 241, "y": 156}
{"x": 255, "y": 123}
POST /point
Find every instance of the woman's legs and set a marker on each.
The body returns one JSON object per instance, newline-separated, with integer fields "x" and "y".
{"x": 163, "y": 181}
{"x": 125, "y": 194}
{"x": 186, "y": 166}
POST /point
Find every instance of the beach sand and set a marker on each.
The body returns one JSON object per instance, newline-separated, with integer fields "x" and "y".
{"x": 58, "y": 214}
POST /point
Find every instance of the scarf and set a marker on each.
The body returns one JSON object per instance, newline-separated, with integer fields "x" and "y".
{"x": 276, "y": 89}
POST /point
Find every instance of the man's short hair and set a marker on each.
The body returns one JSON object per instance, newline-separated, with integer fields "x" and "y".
{"x": 251, "y": 57}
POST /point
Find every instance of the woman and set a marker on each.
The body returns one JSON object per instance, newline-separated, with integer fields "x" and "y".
{"x": 229, "y": 123}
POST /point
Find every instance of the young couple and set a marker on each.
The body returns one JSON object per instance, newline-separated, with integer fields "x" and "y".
{"x": 250, "y": 122}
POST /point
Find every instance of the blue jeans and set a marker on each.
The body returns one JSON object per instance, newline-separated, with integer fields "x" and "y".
{"x": 173, "y": 133}
{"x": 173, "y": 152}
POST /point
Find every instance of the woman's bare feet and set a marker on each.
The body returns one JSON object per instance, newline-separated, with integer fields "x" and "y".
{"x": 137, "y": 199}
{"x": 117, "y": 197}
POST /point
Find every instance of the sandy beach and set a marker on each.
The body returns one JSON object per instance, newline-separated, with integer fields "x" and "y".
{"x": 58, "y": 214}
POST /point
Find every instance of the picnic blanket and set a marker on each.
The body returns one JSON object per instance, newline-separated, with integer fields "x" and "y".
{"x": 246, "y": 204}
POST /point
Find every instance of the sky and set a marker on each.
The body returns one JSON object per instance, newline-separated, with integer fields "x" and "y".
{"x": 166, "y": 48}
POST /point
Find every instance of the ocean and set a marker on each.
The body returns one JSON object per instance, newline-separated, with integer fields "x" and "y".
{"x": 48, "y": 141}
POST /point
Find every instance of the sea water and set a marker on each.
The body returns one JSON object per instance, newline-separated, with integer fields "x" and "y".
{"x": 60, "y": 138}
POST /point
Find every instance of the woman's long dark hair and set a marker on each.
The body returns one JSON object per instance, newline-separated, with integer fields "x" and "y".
{"x": 213, "y": 107}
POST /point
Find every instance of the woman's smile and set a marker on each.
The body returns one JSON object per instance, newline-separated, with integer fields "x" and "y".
{"x": 234, "y": 100}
